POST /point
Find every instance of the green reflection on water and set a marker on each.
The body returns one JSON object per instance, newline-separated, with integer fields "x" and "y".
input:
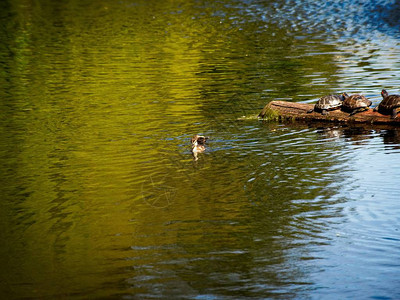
{"x": 100, "y": 194}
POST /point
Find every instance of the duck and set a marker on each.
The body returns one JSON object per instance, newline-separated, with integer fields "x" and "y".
{"x": 198, "y": 143}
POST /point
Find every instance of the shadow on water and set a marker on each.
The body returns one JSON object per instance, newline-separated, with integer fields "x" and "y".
{"x": 360, "y": 133}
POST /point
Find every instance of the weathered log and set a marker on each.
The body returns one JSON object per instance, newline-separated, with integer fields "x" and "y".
{"x": 283, "y": 110}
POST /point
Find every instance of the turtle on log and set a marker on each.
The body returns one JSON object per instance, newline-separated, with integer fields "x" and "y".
{"x": 326, "y": 103}
{"x": 355, "y": 104}
{"x": 389, "y": 105}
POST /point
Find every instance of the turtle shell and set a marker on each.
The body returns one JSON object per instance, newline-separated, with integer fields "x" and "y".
{"x": 355, "y": 102}
{"x": 329, "y": 102}
{"x": 388, "y": 103}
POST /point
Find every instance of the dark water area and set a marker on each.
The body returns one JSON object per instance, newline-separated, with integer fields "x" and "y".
{"x": 101, "y": 197}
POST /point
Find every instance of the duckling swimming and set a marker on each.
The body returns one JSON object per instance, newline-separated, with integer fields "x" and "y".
{"x": 198, "y": 144}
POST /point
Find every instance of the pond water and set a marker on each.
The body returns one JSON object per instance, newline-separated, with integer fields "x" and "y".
{"x": 101, "y": 198}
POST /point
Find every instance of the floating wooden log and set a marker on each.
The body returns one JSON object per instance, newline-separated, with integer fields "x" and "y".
{"x": 294, "y": 111}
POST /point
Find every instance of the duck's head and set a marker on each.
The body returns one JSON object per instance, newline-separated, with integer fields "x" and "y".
{"x": 199, "y": 139}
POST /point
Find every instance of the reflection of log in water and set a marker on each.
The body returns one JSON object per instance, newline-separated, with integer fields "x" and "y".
{"x": 282, "y": 110}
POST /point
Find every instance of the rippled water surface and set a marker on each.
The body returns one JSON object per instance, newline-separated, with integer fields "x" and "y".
{"x": 101, "y": 198}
